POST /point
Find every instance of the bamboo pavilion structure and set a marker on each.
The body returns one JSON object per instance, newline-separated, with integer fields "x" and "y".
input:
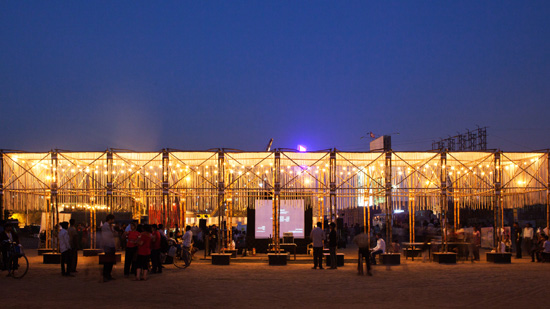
{"x": 169, "y": 185}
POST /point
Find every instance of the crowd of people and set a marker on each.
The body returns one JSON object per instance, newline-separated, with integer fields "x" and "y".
{"x": 321, "y": 238}
{"x": 147, "y": 245}
{"x": 527, "y": 240}
{"x": 534, "y": 243}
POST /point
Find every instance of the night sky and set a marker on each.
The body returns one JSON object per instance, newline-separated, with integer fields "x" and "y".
{"x": 146, "y": 75}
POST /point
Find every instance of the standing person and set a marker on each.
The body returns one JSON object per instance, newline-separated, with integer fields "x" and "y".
{"x": 332, "y": 245}
{"x": 546, "y": 245}
{"x": 476, "y": 240}
{"x": 538, "y": 247}
{"x": 213, "y": 238}
{"x": 160, "y": 229}
{"x": 379, "y": 249}
{"x": 155, "y": 250}
{"x": 65, "y": 249}
{"x": 518, "y": 238}
{"x": 108, "y": 238}
{"x": 186, "y": 244}
{"x": 195, "y": 230}
{"x": 176, "y": 233}
{"x": 85, "y": 234}
{"x": 318, "y": 236}
{"x": 528, "y": 234}
{"x": 73, "y": 236}
{"x": 362, "y": 242}
{"x": 131, "y": 250}
{"x": 8, "y": 235}
{"x": 144, "y": 253}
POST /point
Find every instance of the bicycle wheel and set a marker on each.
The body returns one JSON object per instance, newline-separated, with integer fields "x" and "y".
{"x": 189, "y": 259}
{"x": 20, "y": 267}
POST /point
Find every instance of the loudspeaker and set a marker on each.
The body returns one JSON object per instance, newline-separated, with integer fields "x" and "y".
{"x": 251, "y": 222}
{"x": 340, "y": 223}
{"x": 202, "y": 224}
{"x": 308, "y": 221}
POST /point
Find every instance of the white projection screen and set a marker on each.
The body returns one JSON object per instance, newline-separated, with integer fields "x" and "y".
{"x": 292, "y": 218}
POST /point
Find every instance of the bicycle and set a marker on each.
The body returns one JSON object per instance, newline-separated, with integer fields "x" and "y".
{"x": 184, "y": 257}
{"x": 16, "y": 262}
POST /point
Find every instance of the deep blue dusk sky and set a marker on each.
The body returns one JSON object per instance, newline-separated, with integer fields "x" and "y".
{"x": 146, "y": 75}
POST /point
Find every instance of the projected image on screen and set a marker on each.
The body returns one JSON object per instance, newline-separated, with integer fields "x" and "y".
{"x": 292, "y": 218}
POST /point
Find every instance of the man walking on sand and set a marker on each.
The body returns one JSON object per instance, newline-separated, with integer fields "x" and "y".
{"x": 65, "y": 249}
{"x": 518, "y": 238}
{"x": 108, "y": 247}
{"x": 332, "y": 245}
{"x": 318, "y": 236}
{"x": 362, "y": 242}
{"x": 73, "y": 237}
{"x": 528, "y": 236}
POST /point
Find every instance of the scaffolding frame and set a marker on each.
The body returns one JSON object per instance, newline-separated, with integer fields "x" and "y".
{"x": 174, "y": 186}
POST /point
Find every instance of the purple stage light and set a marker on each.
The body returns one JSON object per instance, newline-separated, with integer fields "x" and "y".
{"x": 302, "y": 148}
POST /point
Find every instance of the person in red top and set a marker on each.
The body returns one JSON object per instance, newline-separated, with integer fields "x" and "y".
{"x": 143, "y": 253}
{"x": 131, "y": 250}
{"x": 155, "y": 251}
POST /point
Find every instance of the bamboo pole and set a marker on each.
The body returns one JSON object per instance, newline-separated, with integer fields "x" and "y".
{"x": 411, "y": 227}
{"x": 443, "y": 198}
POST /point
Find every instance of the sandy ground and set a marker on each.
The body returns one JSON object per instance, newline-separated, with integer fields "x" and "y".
{"x": 521, "y": 284}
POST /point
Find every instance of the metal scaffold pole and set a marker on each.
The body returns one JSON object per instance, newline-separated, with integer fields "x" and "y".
{"x": 411, "y": 220}
{"x": 221, "y": 195}
{"x": 229, "y": 221}
{"x": 455, "y": 208}
{"x": 443, "y": 198}
{"x": 497, "y": 202}
{"x": 332, "y": 177}
{"x": 165, "y": 194}
{"x": 276, "y": 201}
{"x": 2, "y": 186}
{"x": 366, "y": 217}
{"x": 388, "y": 187}
{"x": 368, "y": 223}
{"x": 183, "y": 209}
{"x": 53, "y": 195}
{"x": 321, "y": 209}
{"x": 110, "y": 181}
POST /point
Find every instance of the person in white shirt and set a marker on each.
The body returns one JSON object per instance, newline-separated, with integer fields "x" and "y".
{"x": 187, "y": 241}
{"x": 379, "y": 249}
{"x": 129, "y": 226}
{"x": 108, "y": 239}
{"x": 187, "y": 237}
{"x": 528, "y": 234}
{"x": 65, "y": 249}
{"x": 546, "y": 245}
{"x": 317, "y": 236}
{"x": 160, "y": 228}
